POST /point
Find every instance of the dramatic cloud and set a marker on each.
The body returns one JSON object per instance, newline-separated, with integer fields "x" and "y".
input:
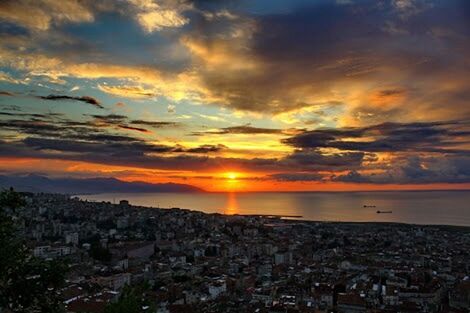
{"x": 124, "y": 151}
{"x": 416, "y": 170}
{"x": 321, "y": 52}
{"x": 315, "y": 160}
{"x": 86, "y": 144}
{"x": 389, "y": 137}
{"x": 55, "y": 137}
{"x": 351, "y": 92}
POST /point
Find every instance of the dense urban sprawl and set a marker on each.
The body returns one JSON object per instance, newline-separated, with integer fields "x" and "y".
{"x": 196, "y": 262}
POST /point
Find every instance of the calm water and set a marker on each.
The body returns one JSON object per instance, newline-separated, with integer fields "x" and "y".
{"x": 421, "y": 207}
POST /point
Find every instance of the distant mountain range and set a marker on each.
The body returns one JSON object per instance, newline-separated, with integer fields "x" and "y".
{"x": 38, "y": 183}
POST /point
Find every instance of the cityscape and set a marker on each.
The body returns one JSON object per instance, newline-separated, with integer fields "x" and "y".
{"x": 196, "y": 262}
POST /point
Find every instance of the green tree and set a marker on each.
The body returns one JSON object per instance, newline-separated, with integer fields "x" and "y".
{"x": 27, "y": 284}
{"x": 99, "y": 253}
{"x": 9, "y": 199}
{"x": 132, "y": 300}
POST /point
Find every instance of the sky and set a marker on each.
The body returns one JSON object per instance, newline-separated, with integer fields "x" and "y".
{"x": 238, "y": 95}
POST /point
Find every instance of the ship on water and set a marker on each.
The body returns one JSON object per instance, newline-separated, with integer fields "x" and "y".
{"x": 380, "y": 212}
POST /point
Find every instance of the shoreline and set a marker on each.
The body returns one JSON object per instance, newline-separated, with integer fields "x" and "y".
{"x": 274, "y": 192}
{"x": 275, "y": 217}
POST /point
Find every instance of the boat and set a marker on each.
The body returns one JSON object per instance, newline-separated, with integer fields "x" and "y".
{"x": 380, "y": 212}
{"x": 369, "y": 206}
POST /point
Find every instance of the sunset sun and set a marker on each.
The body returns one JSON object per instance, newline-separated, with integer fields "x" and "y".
{"x": 231, "y": 175}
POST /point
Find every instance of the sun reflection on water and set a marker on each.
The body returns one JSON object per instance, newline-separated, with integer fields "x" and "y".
{"x": 232, "y": 204}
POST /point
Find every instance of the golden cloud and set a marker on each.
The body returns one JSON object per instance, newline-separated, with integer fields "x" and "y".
{"x": 127, "y": 91}
{"x": 40, "y": 14}
{"x": 179, "y": 86}
{"x": 154, "y": 16}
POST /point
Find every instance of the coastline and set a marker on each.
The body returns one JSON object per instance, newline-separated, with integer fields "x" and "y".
{"x": 431, "y": 208}
{"x": 301, "y": 219}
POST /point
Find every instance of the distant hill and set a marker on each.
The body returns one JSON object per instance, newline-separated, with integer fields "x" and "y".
{"x": 38, "y": 183}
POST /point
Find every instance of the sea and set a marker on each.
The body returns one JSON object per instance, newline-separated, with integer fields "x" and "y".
{"x": 412, "y": 207}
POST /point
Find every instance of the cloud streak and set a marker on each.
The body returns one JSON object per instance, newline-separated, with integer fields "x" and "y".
{"x": 85, "y": 99}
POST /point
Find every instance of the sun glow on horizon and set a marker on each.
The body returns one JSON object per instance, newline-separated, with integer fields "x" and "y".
{"x": 232, "y": 175}
{"x": 232, "y": 181}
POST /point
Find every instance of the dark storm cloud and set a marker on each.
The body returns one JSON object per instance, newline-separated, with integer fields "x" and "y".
{"x": 316, "y": 160}
{"x": 86, "y": 99}
{"x": 388, "y": 137}
{"x": 416, "y": 170}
